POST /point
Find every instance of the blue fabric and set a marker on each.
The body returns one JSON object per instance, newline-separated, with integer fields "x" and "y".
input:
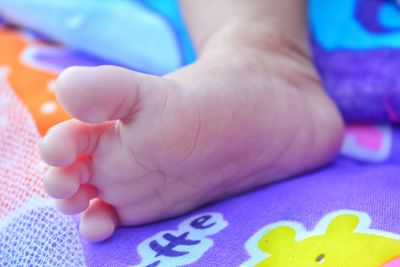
{"x": 389, "y": 16}
{"x": 170, "y": 9}
{"x": 335, "y": 27}
{"x": 124, "y": 32}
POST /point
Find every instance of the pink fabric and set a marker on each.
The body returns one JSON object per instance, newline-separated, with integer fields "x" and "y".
{"x": 393, "y": 116}
{"x": 21, "y": 169}
{"x": 394, "y": 263}
{"x": 369, "y": 137}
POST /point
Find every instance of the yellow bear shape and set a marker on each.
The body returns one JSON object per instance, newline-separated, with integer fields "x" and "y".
{"x": 340, "y": 246}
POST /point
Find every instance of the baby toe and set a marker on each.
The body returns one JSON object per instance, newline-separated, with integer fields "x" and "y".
{"x": 62, "y": 183}
{"x": 78, "y": 202}
{"x": 98, "y": 222}
{"x": 66, "y": 141}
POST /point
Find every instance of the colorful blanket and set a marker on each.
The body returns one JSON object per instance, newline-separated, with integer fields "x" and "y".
{"x": 345, "y": 214}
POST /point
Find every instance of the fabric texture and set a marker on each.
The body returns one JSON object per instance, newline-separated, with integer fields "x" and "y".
{"x": 32, "y": 232}
{"x": 91, "y": 25}
{"x": 345, "y": 214}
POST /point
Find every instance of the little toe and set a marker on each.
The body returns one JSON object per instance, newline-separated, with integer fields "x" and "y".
{"x": 67, "y": 140}
{"x": 78, "y": 202}
{"x": 62, "y": 183}
{"x": 98, "y": 222}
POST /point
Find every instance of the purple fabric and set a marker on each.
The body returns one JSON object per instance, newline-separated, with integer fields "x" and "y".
{"x": 365, "y": 179}
{"x": 63, "y": 60}
{"x": 305, "y": 199}
{"x": 363, "y": 82}
{"x": 360, "y": 82}
{"x": 366, "y": 13}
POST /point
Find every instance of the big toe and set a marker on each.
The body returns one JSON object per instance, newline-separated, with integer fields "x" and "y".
{"x": 98, "y": 94}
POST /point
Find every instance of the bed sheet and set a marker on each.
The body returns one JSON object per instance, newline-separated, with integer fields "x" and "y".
{"x": 345, "y": 214}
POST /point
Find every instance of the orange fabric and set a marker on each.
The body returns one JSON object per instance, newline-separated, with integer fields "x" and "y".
{"x": 30, "y": 84}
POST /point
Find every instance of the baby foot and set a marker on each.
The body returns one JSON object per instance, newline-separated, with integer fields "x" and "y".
{"x": 143, "y": 148}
